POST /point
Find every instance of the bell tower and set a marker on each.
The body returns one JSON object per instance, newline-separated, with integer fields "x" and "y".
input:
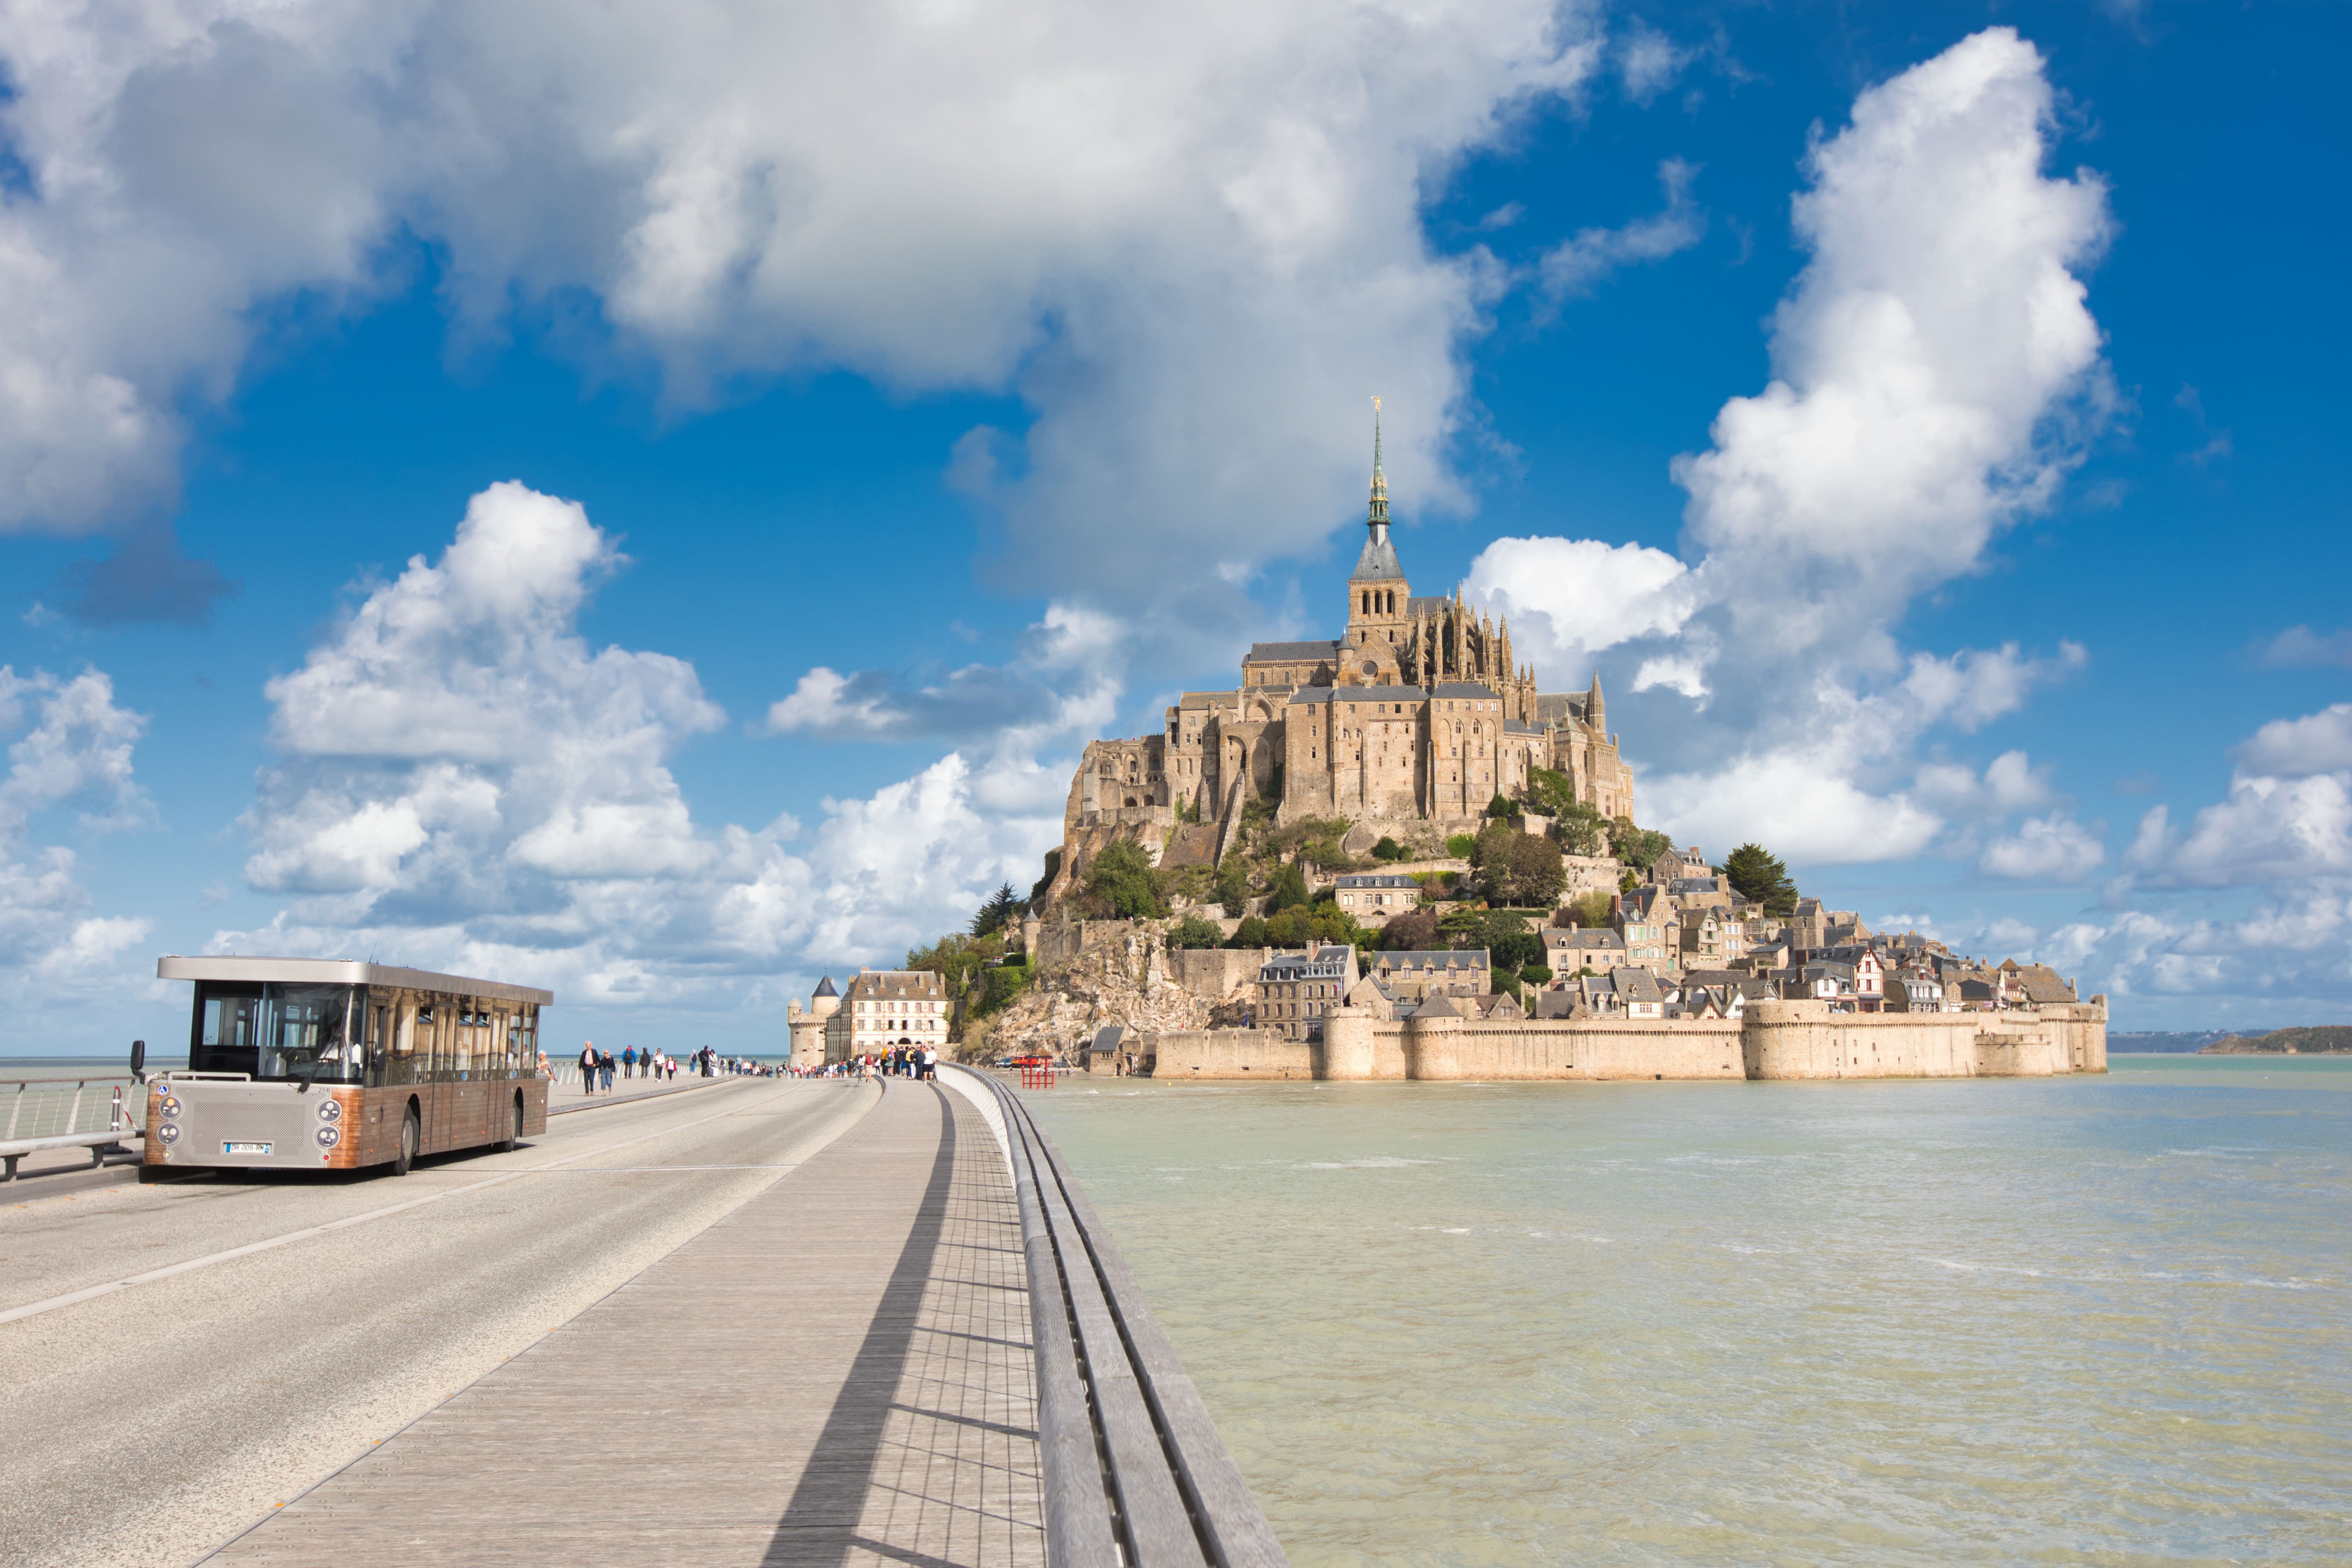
{"x": 1379, "y": 598}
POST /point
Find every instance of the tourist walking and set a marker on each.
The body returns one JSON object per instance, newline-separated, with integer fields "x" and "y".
{"x": 604, "y": 1070}
{"x": 931, "y": 1061}
{"x": 629, "y": 1061}
{"x": 588, "y": 1068}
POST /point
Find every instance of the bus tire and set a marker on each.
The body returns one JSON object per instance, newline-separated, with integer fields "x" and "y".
{"x": 411, "y": 1136}
{"x": 514, "y": 1128}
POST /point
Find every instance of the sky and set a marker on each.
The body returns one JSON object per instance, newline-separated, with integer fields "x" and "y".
{"x": 652, "y": 502}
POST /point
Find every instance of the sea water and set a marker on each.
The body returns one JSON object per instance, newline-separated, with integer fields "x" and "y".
{"x": 2080, "y": 1320}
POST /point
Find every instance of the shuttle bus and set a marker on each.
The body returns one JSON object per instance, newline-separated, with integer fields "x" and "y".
{"x": 311, "y": 1064}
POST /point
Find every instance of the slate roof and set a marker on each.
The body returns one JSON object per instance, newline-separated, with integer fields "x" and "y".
{"x": 1437, "y": 1006}
{"x": 1378, "y": 563}
{"x": 1520, "y": 727}
{"x": 1471, "y": 958}
{"x": 1638, "y": 985}
{"x": 1376, "y": 880}
{"x": 1461, "y": 689}
{"x": 824, "y": 988}
{"x": 1584, "y": 941}
{"x": 1289, "y": 652}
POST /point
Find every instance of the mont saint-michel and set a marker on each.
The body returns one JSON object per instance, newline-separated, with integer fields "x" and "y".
{"x": 1389, "y": 854}
{"x": 1416, "y": 712}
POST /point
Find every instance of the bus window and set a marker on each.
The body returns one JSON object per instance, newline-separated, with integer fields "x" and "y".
{"x": 227, "y": 1027}
{"x": 379, "y": 1036}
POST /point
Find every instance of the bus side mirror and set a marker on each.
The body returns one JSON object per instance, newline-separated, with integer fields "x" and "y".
{"x": 139, "y": 1061}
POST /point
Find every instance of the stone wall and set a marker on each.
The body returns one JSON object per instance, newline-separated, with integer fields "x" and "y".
{"x": 1214, "y": 973}
{"x": 1252, "y": 1054}
{"x": 1774, "y": 1040}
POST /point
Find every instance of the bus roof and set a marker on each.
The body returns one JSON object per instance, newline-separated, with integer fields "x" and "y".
{"x": 342, "y": 971}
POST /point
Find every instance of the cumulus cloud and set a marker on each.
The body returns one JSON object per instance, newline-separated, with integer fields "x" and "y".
{"x": 2053, "y": 848}
{"x": 2302, "y": 645}
{"x": 1569, "y": 596}
{"x": 72, "y": 748}
{"x": 1191, "y": 240}
{"x": 1934, "y": 367}
{"x": 1648, "y": 62}
{"x": 2295, "y": 748}
{"x": 462, "y": 782}
{"x": 1577, "y": 264}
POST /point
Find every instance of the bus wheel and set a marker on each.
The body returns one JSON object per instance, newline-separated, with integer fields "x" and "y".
{"x": 411, "y": 1135}
{"x": 514, "y": 1128}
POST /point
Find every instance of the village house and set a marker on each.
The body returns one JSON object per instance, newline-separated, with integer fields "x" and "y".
{"x": 1297, "y": 991}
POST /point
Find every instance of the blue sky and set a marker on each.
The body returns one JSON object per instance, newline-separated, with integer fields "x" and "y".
{"x": 1924, "y": 416}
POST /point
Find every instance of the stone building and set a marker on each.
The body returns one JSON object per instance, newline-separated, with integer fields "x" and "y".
{"x": 1297, "y": 991}
{"x": 1418, "y": 712}
{"x": 885, "y": 1007}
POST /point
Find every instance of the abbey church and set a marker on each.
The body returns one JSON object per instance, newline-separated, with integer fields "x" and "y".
{"x": 1416, "y": 714}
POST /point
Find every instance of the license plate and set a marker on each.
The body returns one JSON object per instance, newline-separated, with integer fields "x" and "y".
{"x": 245, "y": 1148}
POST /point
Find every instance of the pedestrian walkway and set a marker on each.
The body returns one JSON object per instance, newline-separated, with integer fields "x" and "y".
{"x": 562, "y": 1098}
{"x": 838, "y": 1372}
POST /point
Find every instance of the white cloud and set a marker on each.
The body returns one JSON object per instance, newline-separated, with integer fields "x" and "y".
{"x": 2318, "y": 742}
{"x": 465, "y": 784}
{"x": 1649, "y": 61}
{"x": 1578, "y": 264}
{"x": 2053, "y": 848}
{"x": 1570, "y": 596}
{"x": 1191, "y": 240}
{"x": 1932, "y": 367}
{"x": 74, "y": 750}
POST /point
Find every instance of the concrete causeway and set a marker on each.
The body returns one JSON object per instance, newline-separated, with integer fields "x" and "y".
{"x": 838, "y": 1372}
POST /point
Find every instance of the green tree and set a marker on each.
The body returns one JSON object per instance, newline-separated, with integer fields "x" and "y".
{"x": 1415, "y": 931}
{"x": 1121, "y": 878}
{"x": 1232, "y": 888}
{"x": 1460, "y": 845}
{"x": 1388, "y": 849}
{"x": 1002, "y": 908}
{"x": 1636, "y": 846}
{"x": 1251, "y": 933}
{"x": 1504, "y": 981}
{"x": 1288, "y": 887}
{"x": 1194, "y": 931}
{"x": 1053, "y": 869}
{"x": 1536, "y": 974}
{"x": 1628, "y": 880}
{"x": 1500, "y": 809}
{"x": 1591, "y": 911}
{"x": 1757, "y": 874}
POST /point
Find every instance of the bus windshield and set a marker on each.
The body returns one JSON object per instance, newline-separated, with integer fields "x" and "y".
{"x": 277, "y": 1031}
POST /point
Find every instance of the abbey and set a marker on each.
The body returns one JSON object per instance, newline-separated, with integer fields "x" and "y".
{"x": 1417, "y": 713}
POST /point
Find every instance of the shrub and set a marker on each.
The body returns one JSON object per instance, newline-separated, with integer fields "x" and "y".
{"x": 1460, "y": 845}
{"x": 1000, "y": 985}
{"x": 1388, "y": 849}
{"x": 1514, "y": 949}
{"x": 1504, "y": 981}
{"x": 1251, "y": 933}
{"x": 1500, "y": 809}
{"x": 1192, "y": 931}
{"x": 1536, "y": 974}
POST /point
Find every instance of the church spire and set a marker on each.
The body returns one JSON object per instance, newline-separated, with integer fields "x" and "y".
{"x": 1378, "y": 563}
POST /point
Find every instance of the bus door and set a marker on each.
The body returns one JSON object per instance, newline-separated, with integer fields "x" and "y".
{"x": 432, "y": 1073}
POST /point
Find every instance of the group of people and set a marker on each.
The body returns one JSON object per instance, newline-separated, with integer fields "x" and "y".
{"x": 597, "y": 1068}
{"x": 898, "y": 1061}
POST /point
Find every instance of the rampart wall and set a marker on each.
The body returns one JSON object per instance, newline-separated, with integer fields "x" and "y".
{"x": 1773, "y": 1041}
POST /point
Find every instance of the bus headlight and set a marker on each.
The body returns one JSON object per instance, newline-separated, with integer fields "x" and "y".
{"x": 330, "y": 1136}
{"x": 169, "y": 1105}
{"x": 168, "y": 1134}
{"x": 331, "y": 1110}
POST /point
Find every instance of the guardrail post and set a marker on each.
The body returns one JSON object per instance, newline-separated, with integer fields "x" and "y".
{"x": 15, "y": 1109}
{"x": 73, "y": 1114}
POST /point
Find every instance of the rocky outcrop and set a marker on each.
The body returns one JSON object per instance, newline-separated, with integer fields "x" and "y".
{"x": 1124, "y": 982}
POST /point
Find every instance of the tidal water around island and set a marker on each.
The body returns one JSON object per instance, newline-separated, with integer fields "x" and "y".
{"x": 2089, "y": 1321}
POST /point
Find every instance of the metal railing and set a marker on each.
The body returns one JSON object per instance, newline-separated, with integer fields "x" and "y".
{"x": 1136, "y": 1475}
{"x": 68, "y": 1113}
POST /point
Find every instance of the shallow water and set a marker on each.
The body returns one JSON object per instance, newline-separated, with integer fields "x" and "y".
{"x": 2097, "y": 1320}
